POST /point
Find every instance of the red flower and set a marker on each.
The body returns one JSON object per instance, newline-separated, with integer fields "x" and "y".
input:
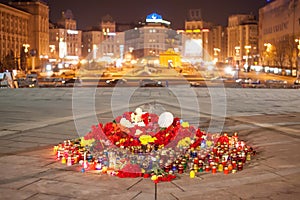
{"x": 153, "y": 118}
{"x": 223, "y": 139}
{"x": 127, "y": 115}
{"x": 145, "y": 118}
{"x": 118, "y": 119}
{"x": 176, "y": 121}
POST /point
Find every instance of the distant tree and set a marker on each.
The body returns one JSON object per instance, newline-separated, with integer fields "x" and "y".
{"x": 270, "y": 55}
{"x": 281, "y": 52}
{"x": 9, "y": 61}
{"x": 290, "y": 53}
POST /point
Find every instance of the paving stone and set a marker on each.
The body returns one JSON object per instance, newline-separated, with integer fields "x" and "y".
{"x": 12, "y": 194}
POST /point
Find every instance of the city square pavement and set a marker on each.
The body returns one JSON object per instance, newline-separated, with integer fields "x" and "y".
{"x": 33, "y": 120}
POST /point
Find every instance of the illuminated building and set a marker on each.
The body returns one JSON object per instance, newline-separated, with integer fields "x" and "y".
{"x": 279, "y": 28}
{"x": 242, "y": 33}
{"x": 170, "y": 58}
{"x": 112, "y": 43}
{"x": 152, "y": 38}
{"x": 65, "y": 40}
{"x": 103, "y": 42}
{"x": 203, "y": 40}
{"x": 91, "y": 39}
{"x": 24, "y": 25}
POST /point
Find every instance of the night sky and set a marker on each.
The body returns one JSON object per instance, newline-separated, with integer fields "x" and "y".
{"x": 89, "y": 12}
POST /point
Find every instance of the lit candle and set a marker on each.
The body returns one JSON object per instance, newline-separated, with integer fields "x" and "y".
{"x": 248, "y": 156}
{"x": 55, "y": 148}
{"x": 207, "y": 168}
{"x": 220, "y": 167}
{"x": 63, "y": 160}
{"x": 233, "y": 164}
{"x": 85, "y": 162}
{"x": 180, "y": 169}
{"x": 69, "y": 162}
{"x": 58, "y": 155}
{"x": 229, "y": 167}
{"x": 240, "y": 166}
{"x": 242, "y": 144}
{"x": 214, "y": 169}
{"x": 226, "y": 171}
{"x": 192, "y": 174}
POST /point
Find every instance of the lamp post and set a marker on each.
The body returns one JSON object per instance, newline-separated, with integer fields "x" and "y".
{"x": 237, "y": 56}
{"x": 216, "y": 54}
{"x": 247, "y": 47}
{"x": 26, "y": 50}
{"x": 298, "y": 57}
{"x": 268, "y": 49}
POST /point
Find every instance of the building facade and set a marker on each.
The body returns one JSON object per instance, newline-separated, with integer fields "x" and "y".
{"x": 196, "y": 40}
{"x": 242, "y": 41}
{"x": 25, "y": 33}
{"x": 152, "y": 38}
{"x": 14, "y": 37}
{"x": 217, "y": 43}
{"x": 279, "y": 34}
{"x": 91, "y": 39}
{"x": 65, "y": 40}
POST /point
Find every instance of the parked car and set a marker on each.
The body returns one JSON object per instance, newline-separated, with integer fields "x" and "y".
{"x": 71, "y": 82}
{"x": 273, "y": 83}
{"x": 248, "y": 81}
{"x": 31, "y": 81}
{"x": 297, "y": 82}
{"x": 50, "y": 82}
{"x": 116, "y": 81}
{"x": 64, "y": 72}
{"x": 219, "y": 79}
{"x": 150, "y": 83}
{"x": 4, "y": 80}
{"x": 196, "y": 84}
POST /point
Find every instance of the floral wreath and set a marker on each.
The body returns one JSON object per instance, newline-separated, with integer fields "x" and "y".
{"x": 136, "y": 129}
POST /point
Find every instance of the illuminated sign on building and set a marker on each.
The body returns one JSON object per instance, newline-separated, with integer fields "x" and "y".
{"x": 110, "y": 33}
{"x": 156, "y": 18}
{"x": 72, "y": 32}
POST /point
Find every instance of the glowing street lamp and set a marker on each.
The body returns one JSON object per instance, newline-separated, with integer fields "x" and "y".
{"x": 26, "y": 50}
{"x": 268, "y": 50}
{"x": 26, "y": 47}
{"x": 298, "y": 56}
{"x": 247, "y": 47}
{"x": 298, "y": 46}
{"x": 216, "y": 54}
{"x": 237, "y": 53}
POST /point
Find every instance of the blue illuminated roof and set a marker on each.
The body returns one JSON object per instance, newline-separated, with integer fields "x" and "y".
{"x": 154, "y": 16}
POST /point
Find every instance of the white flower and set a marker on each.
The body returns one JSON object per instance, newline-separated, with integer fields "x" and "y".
{"x": 136, "y": 117}
{"x": 138, "y": 111}
{"x": 141, "y": 123}
{"x": 126, "y": 123}
{"x": 138, "y": 132}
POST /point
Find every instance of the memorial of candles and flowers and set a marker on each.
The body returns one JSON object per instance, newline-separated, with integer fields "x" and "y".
{"x": 160, "y": 147}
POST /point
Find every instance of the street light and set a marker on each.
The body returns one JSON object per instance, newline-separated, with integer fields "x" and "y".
{"x": 247, "y": 47}
{"x": 216, "y": 54}
{"x": 298, "y": 57}
{"x": 268, "y": 50}
{"x": 26, "y": 50}
{"x": 237, "y": 56}
{"x": 237, "y": 53}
